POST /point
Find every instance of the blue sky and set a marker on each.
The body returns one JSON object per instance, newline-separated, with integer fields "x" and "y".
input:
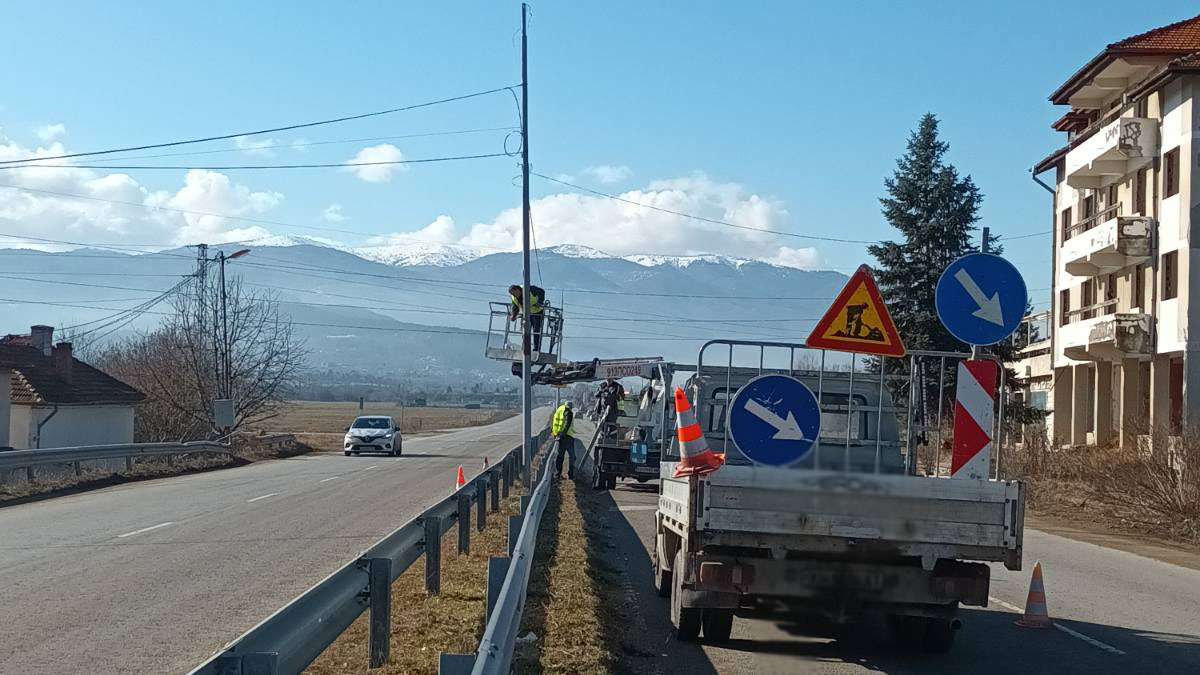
{"x": 802, "y": 105}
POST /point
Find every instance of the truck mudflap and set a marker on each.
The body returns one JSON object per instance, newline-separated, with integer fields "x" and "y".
{"x": 869, "y": 583}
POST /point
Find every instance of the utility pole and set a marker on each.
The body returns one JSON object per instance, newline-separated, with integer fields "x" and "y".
{"x": 224, "y": 333}
{"x": 526, "y": 338}
{"x": 987, "y": 241}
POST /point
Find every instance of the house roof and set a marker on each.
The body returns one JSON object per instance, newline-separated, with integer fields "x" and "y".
{"x": 1179, "y": 39}
{"x": 35, "y": 380}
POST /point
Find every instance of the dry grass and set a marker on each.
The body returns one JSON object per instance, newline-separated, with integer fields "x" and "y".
{"x": 425, "y": 625}
{"x": 322, "y": 424}
{"x": 1156, "y": 493}
{"x": 574, "y": 601}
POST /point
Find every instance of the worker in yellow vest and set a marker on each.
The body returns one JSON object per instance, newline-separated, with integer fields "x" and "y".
{"x": 563, "y": 429}
{"x": 537, "y": 301}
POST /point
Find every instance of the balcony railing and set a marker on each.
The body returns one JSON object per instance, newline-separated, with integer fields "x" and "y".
{"x": 1109, "y": 337}
{"x": 1090, "y": 312}
{"x": 1092, "y": 221}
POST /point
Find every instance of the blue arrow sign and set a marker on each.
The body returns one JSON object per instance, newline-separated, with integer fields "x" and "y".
{"x": 981, "y": 298}
{"x": 774, "y": 420}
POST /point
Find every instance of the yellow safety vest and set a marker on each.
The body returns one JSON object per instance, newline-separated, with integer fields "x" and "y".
{"x": 535, "y": 307}
{"x": 556, "y": 427}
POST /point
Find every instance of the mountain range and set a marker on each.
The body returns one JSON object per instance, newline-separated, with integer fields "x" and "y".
{"x": 423, "y": 308}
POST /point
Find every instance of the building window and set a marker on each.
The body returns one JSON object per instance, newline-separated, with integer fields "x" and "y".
{"x": 1112, "y": 198}
{"x": 1170, "y": 268}
{"x": 1139, "y": 192}
{"x": 1087, "y": 292}
{"x": 1110, "y": 294}
{"x": 1066, "y": 224}
{"x": 1064, "y": 304}
{"x": 1139, "y": 287}
{"x": 1089, "y": 207}
{"x": 1037, "y": 400}
{"x": 1171, "y": 173}
{"x": 1142, "y": 107}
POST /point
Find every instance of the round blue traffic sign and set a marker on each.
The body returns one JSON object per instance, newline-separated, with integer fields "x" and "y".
{"x": 774, "y": 420}
{"x": 981, "y": 298}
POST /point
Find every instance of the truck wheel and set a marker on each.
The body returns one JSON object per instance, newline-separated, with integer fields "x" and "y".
{"x": 906, "y": 632}
{"x": 718, "y": 624}
{"x": 939, "y": 636}
{"x": 687, "y": 620}
{"x": 610, "y": 481}
{"x": 662, "y": 575}
{"x": 600, "y": 481}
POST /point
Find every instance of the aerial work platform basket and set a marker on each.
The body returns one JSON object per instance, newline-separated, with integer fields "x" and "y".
{"x": 504, "y": 336}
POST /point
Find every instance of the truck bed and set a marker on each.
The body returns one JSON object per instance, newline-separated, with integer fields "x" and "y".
{"x": 794, "y": 512}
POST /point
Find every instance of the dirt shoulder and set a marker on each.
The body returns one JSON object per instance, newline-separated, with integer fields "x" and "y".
{"x": 1080, "y": 528}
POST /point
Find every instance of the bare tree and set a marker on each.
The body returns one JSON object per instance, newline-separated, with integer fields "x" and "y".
{"x": 178, "y": 364}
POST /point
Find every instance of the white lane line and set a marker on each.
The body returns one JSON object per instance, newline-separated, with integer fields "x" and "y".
{"x": 370, "y": 467}
{"x": 636, "y": 507}
{"x": 269, "y": 494}
{"x": 145, "y": 529}
{"x": 1069, "y": 631}
{"x": 326, "y": 480}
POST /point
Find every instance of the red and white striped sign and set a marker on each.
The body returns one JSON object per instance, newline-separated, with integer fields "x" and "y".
{"x": 973, "y": 419}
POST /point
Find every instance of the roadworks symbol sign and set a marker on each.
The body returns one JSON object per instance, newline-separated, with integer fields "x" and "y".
{"x": 858, "y": 321}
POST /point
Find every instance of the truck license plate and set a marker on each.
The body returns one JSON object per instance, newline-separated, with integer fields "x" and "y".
{"x": 833, "y": 579}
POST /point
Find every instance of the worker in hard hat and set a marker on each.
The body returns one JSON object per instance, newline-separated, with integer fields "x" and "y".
{"x": 537, "y": 301}
{"x": 562, "y": 428}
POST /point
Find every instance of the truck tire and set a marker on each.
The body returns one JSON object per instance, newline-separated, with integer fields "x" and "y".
{"x": 599, "y": 480}
{"x": 906, "y": 632}
{"x": 687, "y": 620}
{"x": 939, "y": 636}
{"x": 662, "y": 575}
{"x": 610, "y": 481}
{"x": 718, "y": 624}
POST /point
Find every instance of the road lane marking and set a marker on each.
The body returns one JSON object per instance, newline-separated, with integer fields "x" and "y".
{"x": 326, "y": 480}
{"x": 370, "y": 467}
{"x": 145, "y": 529}
{"x": 1069, "y": 631}
{"x": 270, "y": 494}
{"x": 636, "y": 507}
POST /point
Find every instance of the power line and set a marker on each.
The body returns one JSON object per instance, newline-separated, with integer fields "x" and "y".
{"x": 1024, "y": 236}
{"x": 326, "y": 165}
{"x": 289, "y": 127}
{"x": 309, "y": 144}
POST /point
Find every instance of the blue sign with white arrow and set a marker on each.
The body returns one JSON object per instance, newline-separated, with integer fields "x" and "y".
{"x": 774, "y": 420}
{"x": 981, "y": 298}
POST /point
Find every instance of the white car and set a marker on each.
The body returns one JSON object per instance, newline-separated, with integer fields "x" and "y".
{"x": 373, "y": 433}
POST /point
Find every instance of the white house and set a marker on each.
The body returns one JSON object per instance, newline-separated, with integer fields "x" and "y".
{"x": 55, "y": 400}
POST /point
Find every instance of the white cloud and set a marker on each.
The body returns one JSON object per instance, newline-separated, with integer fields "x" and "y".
{"x": 442, "y": 230}
{"x": 261, "y": 147}
{"x": 377, "y": 173}
{"x": 608, "y": 174}
{"x": 333, "y": 214}
{"x": 300, "y": 145}
{"x": 50, "y": 132}
{"x": 34, "y": 212}
{"x": 627, "y": 229}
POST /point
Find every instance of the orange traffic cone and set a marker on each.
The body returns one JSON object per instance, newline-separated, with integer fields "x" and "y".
{"x": 1036, "y": 614}
{"x": 695, "y": 457}
{"x": 462, "y": 480}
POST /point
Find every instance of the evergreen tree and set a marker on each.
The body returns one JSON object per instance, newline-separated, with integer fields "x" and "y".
{"x": 935, "y": 211}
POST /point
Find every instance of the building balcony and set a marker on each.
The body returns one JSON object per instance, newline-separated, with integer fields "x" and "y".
{"x": 1105, "y": 243}
{"x": 1108, "y": 337}
{"x": 1117, "y": 149}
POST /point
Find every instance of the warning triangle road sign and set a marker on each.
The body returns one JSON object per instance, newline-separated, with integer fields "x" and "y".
{"x": 858, "y": 321}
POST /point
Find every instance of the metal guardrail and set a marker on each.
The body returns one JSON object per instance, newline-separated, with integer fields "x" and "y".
{"x": 286, "y": 642}
{"x": 273, "y": 442}
{"x": 28, "y": 459}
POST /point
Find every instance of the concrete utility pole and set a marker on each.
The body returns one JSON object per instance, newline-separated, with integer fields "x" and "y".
{"x": 526, "y": 384}
{"x": 987, "y": 241}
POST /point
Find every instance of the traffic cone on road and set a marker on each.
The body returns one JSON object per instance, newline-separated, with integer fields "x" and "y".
{"x": 695, "y": 458}
{"x": 462, "y": 480}
{"x": 1036, "y": 614}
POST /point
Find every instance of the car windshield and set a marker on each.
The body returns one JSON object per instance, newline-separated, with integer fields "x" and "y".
{"x": 370, "y": 423}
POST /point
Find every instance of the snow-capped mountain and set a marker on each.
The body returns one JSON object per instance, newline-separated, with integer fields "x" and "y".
{"x": 414, "y": 254}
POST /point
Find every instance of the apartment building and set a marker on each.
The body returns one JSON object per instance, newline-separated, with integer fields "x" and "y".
{"x": 1125, "y": 196}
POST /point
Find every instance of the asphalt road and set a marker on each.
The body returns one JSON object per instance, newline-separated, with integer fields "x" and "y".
{"x": 154, "y": 576}
{"x": 1115, "y": 612}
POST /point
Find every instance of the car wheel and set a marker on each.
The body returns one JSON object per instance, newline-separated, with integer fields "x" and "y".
{"x": 347, "y": 453}
{"x": 687, "y": 620}
{"x": 718, "y": 624}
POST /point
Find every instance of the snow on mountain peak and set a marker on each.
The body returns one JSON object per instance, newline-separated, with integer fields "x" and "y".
{"x": 577, "y": 251}
{"x": 682, "y": 261}
{"x": 286, "y": 240}
{"x": 411, "y": 254}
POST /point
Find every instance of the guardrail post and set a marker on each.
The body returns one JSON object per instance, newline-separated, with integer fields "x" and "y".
{"x": 379, "y": 590}
{"x": 29, "y": 473}
{"x": 497, "y": 570}
{"x": 505, "y": 477}
{"x": 525, "y": 504}
{"x": 514, "y": 531}
{"x": 129, "y": 463}
{"x": 494, "y": 483}
{"x": 481, "y": 503}
{"x": 464, "y": 524}
{"x": 78, "y": 468}
{"x": 433, "y": 555}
